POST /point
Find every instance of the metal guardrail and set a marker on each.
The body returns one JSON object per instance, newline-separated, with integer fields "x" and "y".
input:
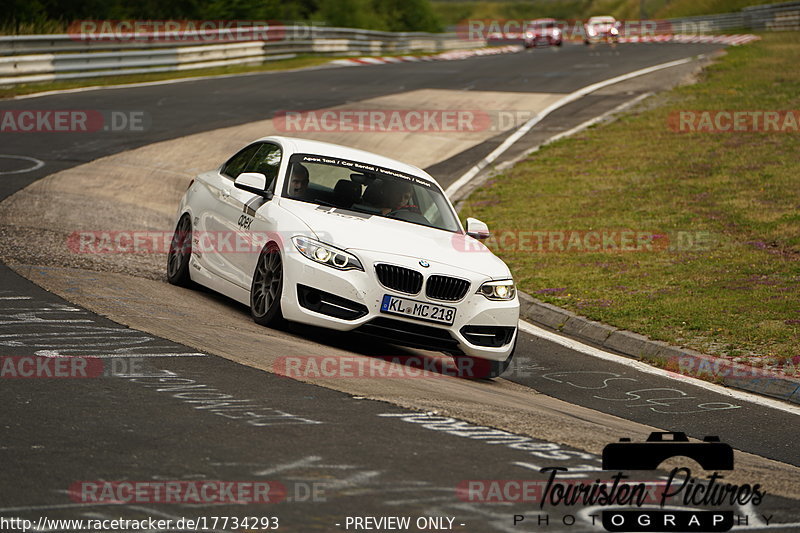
{"x": 70, "y": 56}
{"x": 773, "y": 17}
{"x": 784, "y": 16}
{"x": 708, "y": 23}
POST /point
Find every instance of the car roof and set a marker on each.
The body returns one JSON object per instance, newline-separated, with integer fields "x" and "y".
{"x": 603, "y": 18}
{"x": 308, "y": 146}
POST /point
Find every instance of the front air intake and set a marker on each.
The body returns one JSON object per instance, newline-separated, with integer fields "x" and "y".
{"x": 489, "y": 336}
{"x": 411, "y": 334}
{"x": 329, "y": 304}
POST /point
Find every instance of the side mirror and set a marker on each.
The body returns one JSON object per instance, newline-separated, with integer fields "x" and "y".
{"x": 253, "y": 182}
{"x": 477, "y": 229}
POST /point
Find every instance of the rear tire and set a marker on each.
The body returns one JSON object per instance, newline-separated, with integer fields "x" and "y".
{"x": 180, "y": 253}
{"x": 479, "y": 368}
{"x": 267, "y": 287}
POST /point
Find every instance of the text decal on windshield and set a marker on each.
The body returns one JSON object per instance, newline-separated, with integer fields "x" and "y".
{"x": 355, "y": 165}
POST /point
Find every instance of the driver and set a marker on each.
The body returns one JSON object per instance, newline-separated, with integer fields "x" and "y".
{"x": 298, "y": 181}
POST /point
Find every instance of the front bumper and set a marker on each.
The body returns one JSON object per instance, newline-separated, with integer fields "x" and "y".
{"x": 536, "y": 40}
{"x": 603, "y": 37}
{"x": 318, "y": 295}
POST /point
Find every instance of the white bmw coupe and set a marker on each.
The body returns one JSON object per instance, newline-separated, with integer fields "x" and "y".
{"x": 345, "y": 239}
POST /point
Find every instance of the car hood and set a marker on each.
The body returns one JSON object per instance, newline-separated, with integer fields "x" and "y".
{"x": 355, "y": 231}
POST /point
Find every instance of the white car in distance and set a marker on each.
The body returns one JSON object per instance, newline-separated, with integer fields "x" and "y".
{"x": 603, "y": 28}
{"x": 341, "y": 238}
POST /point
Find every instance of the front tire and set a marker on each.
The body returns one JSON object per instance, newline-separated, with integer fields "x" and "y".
{"x": 180, "y": 253}
{"x": 267, "y": 287}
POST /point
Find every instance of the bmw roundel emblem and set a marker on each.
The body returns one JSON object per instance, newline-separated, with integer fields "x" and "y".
{"x": 423, "y": 263}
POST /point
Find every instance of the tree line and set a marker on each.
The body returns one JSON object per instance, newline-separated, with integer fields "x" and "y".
{"x": 30, "y": 16}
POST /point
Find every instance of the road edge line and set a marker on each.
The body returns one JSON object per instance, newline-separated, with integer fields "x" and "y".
{"x": 481, "y": 178}
{"x": 453, "y": 188}
{"x": 641, "y": 366}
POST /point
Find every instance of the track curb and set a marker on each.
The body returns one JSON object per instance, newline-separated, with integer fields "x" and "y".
{"x": 682, "y": 360}
{"x": 441, "y": 56}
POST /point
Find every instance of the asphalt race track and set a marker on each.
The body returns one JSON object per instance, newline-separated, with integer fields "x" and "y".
{"x": 329, "y": 448}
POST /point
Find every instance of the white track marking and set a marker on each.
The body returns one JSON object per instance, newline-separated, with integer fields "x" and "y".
{"x": 37, "y": 164}
{"x": 572, "y": 131}
{"x": 578, "y": 346}
{"x": 592, "y": 121}
{"x": 525, "y": 128}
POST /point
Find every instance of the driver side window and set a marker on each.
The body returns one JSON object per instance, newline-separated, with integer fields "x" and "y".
{"x": 266, "y": 161}
{"x": 236, "y": 164}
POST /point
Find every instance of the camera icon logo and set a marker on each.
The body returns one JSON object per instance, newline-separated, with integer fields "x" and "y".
{"x": 711, "y": 454}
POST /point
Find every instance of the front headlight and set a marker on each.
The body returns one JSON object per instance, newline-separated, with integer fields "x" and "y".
{"x": 326, "y": 254}
{"x": 614, "y": 31}
{"x": 499, "y": 290}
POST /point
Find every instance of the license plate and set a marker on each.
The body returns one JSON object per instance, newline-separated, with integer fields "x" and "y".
{"x": 440, "y": 314}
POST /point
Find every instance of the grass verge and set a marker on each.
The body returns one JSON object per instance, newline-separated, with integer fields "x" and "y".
{"x": 720, "y": 212}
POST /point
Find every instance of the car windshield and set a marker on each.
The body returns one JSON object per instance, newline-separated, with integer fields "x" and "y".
{"x": 369, "y": 189}
{"x": 541, "y": 24}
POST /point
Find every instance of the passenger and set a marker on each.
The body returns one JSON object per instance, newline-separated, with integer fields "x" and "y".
{"x": 398, "y": 196}
{"x": 298, "y": 181}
